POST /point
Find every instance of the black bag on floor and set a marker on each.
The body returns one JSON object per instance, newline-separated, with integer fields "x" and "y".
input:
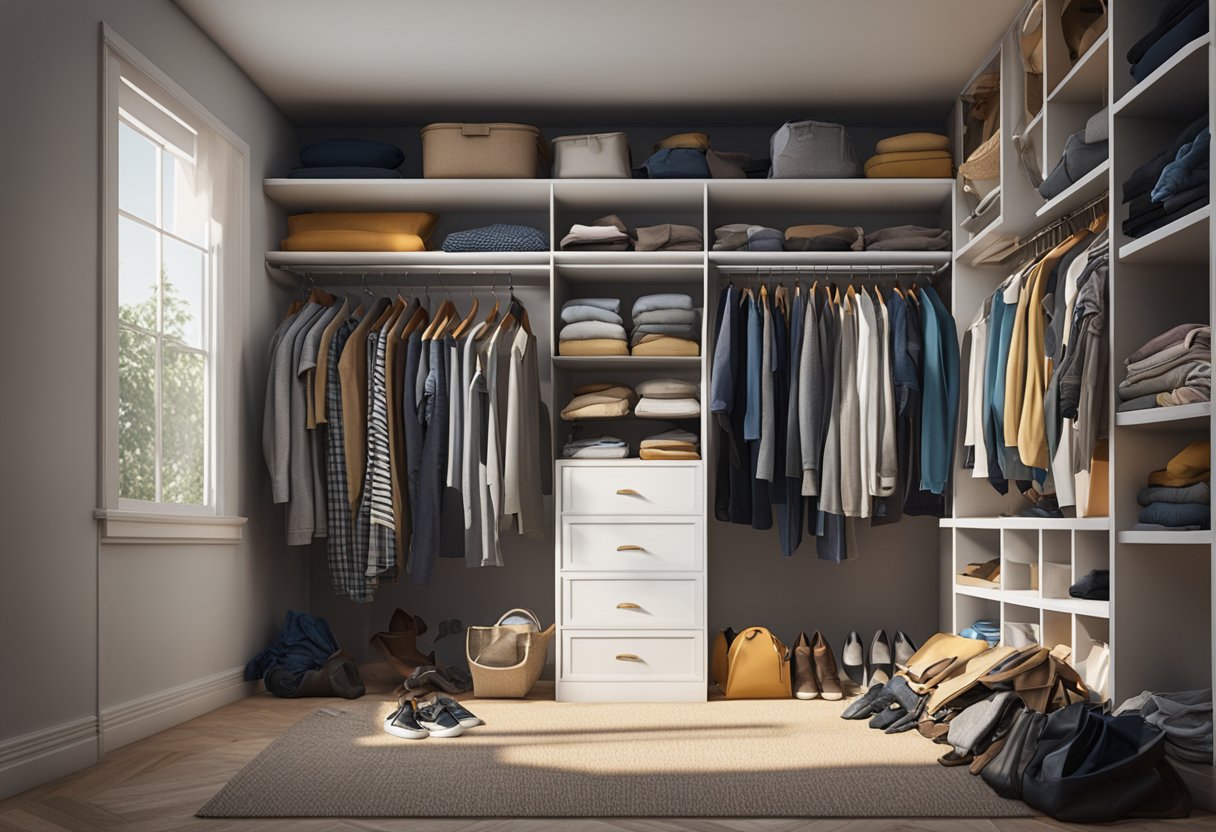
{"x": 1093, "y": 768}
{"x": 1004, "y": 771}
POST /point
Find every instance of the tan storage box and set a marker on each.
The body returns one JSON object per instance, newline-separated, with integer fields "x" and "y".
{"x": 451, "y": 150}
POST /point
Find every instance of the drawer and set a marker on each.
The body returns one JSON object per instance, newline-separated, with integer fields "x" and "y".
{"x": 643, "y": 488}
{"x": 606, "y": 656}
{"x": 626, "y": 544}
{"x": 632, "y": 602}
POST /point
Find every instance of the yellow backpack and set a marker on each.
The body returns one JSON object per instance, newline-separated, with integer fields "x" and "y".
{"x": 758, "y": 666}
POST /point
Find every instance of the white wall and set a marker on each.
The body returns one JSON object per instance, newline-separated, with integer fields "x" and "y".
{"x": 169, "y": 623}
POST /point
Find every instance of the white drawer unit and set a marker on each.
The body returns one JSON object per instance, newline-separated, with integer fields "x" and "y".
{"x": 653, "y": 656}
{"x": 632, "y": 544}
{"x": 643, "y": 488}
{"x": 633, "y": 602}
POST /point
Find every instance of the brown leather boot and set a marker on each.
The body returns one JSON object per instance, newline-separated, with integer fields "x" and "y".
{"x": 399, "y": 646}
{"x": 825, "y": 669}
{"x": 805, "y": 685}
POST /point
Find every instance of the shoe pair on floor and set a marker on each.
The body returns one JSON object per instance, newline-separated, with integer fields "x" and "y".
{"x": 815, "y": 673}
{"x": 878, "y": 666}
{"x": 441, "y": 716}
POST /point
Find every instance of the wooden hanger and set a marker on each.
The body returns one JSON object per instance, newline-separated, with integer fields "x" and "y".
{"x": 464, "y": 325}
{"x": 446, "y": 310}
{"x": 488, "y": 324}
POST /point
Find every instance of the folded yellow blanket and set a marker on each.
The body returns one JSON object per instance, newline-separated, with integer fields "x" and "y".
{"x": 352, "y": 241}
{"x": 385, "y": 222}
{"x": 668, "y": 445}
{"x": 906, "y": 156}
{"x": 593, "y": 346}
{"x": 659, "y": 453}
{"x": 912, "y": 169}
{"x": 912, "y": 141}
{"x": 667, "y": 345}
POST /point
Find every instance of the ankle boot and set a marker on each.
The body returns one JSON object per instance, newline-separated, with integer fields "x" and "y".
{"x": 805, "y": 684}
{"x": 825, "y": 669}
{"x": 401, "y": 652}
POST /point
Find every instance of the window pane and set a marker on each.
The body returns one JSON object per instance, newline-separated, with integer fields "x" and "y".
{"x": 136, "y": 415}
{"x": 183, "y": 309}
{"x": 138, "y": 273}
{"x": 185, "y": 211}
{"x": 183, "y": 446}
{"x": 136, "y": 173}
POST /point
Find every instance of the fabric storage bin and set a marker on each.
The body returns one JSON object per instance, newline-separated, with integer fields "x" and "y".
{"x": 812, "y": 150}
{"x": 452, "y": 150}
{"x": 594, "y": 156}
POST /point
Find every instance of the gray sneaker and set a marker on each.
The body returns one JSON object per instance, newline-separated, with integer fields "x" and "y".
{"x": 405, "y": 724}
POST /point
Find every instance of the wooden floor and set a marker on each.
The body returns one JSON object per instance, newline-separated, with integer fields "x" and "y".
{"x": 157, "y": 784}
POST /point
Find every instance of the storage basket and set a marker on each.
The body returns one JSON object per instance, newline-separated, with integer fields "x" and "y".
{"x": 451, "y": 150}
{"x": 594, "y": 156}
{"x": 507, "y": 659}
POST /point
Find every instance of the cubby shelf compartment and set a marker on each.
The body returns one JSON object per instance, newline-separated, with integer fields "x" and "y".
{"x": 1158, "y": 538}
{"x": 760, "y": 259}
{"x": 1184, "y": 241}
{"x": 1177, "y": 86}
{"x": 1179, "y": 418}
{"x": 1076, "y": 195}
{"x": 1085, "y": 83}
{"x": 439, "y": 195}
{"x": 627, "y": 362}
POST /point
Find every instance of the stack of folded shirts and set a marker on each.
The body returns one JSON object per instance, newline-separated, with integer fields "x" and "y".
{"x": 592, "y": 326}
{"x": 984, "y": 629}
{"x": 349, "y": 159}
{"x": 669, "y": 237}
{"x": 1083, "y": 151}
{"x": 668, "y": 398}
{"x": 908, "y": 238}
{"x": 605, "y": 234}
{"x": 596, "y": 447}
{"x": 599, "y": 401}
{"x": 497, "y": 237}
{"x": 1172, "y": 501}
{"x": 1173, "y": 183}
{"x": 824, "y": 238}
{"x": 740, "y": 236}
{"x": 1094, "y": 586}
{"x": 1185, "y": 717}
{"x": 916, "y": 155}
{"x": 1179, "y": 23}
{"x": 665, "y": 324}
{"x": 1171, "y": 369}
{"x": 349, "y": 231}
{"x": 672, "y": 444}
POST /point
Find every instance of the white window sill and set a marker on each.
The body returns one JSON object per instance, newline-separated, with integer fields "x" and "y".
{"x": 123, "y": 526}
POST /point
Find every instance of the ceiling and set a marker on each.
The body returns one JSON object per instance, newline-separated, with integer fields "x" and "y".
{"x": 629, "y": 61}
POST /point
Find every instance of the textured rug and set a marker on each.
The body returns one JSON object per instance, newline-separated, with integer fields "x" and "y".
{"x": 781, "y": 758}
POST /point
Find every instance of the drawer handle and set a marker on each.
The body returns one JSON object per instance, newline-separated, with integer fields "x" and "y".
{"x": 630, "y": 547}
{"x": 628, "y": 605}
{"x": 628, "y": 492}
{"x": 628, "y": 657}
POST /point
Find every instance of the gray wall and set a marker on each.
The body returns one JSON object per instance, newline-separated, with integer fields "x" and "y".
{"x": 161, "y": 617}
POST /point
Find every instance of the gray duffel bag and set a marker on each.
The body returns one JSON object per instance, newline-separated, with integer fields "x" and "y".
{"x": 812, "y": 150}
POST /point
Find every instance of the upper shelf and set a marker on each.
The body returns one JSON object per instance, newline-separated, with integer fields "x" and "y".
{"x": 1175, "y": 89}
{"x": 398, "y": 262}
{"x": 829, "y": 258}
{"x": 1088, "y": 187}
{"x": 1186, "y": 240}
{"x": 806, "y": 195}
{"x": 1085, "y": 83}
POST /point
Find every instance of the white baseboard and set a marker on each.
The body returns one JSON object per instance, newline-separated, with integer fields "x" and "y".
{"x": 135, "y": 719}
{"x": 38, "y": 757}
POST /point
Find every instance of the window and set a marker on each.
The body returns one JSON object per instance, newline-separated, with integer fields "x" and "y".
{"x": 173, "y": 269}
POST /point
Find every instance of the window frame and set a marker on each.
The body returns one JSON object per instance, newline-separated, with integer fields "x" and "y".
{"x": 129, "y": 520}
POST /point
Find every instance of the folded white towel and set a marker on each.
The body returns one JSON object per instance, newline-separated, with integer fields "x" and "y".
{"x": 668, "y": 408}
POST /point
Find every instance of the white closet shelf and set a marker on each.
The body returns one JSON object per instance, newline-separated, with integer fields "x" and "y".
{"x": 630, "y": 258}
{"x": 1177, "y": 86}
{"x": 761, "y": 259}
{"x": 1085, "y": 83}
{"x": 478, "y": 260}
{"x": 1077, "y": 606}
{"x": 655, "y": 274}
{"x": 1180, "y": 538}
{"x": 625, "y": 195}
{"x": 627, "y": 362}
{"x": 978, "y": 592}
{"x": 828, "y": 195}
{"x": 1064, "y": 523}
{"x": 968, "y": 253}
{"x": 439, "y": 195}
{"x": 1032, "y": 599}
{"x": 1086, "y": 188}
{"x": 1182, "y": 417}
{"x": 1185, "y": 240}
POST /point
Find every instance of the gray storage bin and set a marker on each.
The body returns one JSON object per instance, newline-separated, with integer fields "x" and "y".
{"x": 813, "y": 150}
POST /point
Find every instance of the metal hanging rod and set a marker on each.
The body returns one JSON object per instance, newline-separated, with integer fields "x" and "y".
{"x": 856, "y": 271}
{"x": 1089, "y": 211}
{"x": 454, "y": 276}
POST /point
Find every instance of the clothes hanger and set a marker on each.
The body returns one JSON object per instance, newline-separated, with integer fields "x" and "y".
{"x": 445, "y": 311}
{"x": 488, "y": 324}
{"x": 464, "y": 325}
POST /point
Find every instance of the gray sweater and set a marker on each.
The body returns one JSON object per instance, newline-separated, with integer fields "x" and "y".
{"x": 810, "y": 399}
{"x": 766, "y": 463}
{"x": 301, "y": 505}
{"x": 830, "y": 498}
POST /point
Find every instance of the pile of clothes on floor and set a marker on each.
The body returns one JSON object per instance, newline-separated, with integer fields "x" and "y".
{"x": 305, "y": 660}
{"x": 1177, "y": 497}
{"x": 611, "y": 234}
{"x": 1178, "y": 23}
{"x": 349, "y": 159}
{"x": 1185, "y": 717}
{"x": 1173, "y": 368}
{"x": 913, "y": 155}
{"x": 1172, "y": 184}
{"x": 827, "y": 237}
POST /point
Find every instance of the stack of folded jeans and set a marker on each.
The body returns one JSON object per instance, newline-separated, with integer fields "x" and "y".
{"x": 1172, "y": 184}
{"x": 599, "y": 401}
{"x": 1177, "y": 497}
{"x": 605, "y": 234}
{"x": 596, "y": 447}
{"x": 1083, "y": 151}
{"x": 349, "y": 159}
{"x": 1184, "y": 717}
{"x": 984, "y": 629}
{"x": 665, "y": 324}
{"x": 672, "y": 444}
{"x": 1171, "y": 369}
{"x": 668, "y": 398}
{"x": 908, "y": 238}
{"x": 911, "y": 155}
{"x": 740, "y": 236}
{"x": 1178, "y": 23}
{"x": 824, "y": 238}
{"x": 592, "y": 326}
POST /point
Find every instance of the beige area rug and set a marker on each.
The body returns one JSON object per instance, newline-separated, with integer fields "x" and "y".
{"x": 536, "y": 758}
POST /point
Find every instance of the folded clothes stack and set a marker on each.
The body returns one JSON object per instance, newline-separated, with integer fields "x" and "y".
{"x": 984, "y": 629}
{"x": 611, "y": 234}
{"x": 1094, "y": 586}
{"x": 349, "y": 231}
{"x": 1083, "y": 151}
{"x": 668, "y": 398}
{"x": 1172, "y": 501}
{"x": 592, "y": 326}
{"x": 824, "y": 238}
{"x": 669, "y": 237}
{"x": 349, "y": 159}
{"x": 672, "y": 444}
{"x": 744, "y": 237}
{"x": 1173, "y": 183}
{"x": 1185, "y": 717}
{"x": 1171, "y": 369}
{"x": 599, "y": 401}
{"x": 665, "y": 324}
{"x": 908, "y": 238}
{"x": 596, "y": 447}
{"x": 740, "y": 236}
{"x": 497, "y": 237}
{"x": 1178, "y": 23}
{"x": 915, "y": 155}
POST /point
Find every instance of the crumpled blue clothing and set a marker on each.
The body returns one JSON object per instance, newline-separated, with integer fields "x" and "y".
{"x": 304, "y": 643}
{"x": 1190, "y": 168}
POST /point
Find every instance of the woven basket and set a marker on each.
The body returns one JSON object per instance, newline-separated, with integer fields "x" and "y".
{"x": 507, "y": 659}
{"x": 985, "y": 161}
